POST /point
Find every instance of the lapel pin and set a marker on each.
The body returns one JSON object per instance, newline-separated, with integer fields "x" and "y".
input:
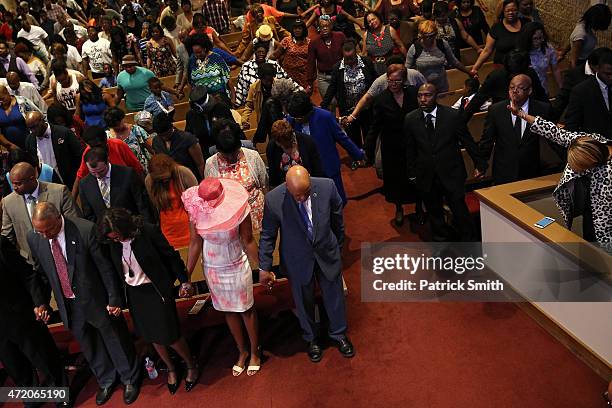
{"x": 73, "y": 243}
{"x": 314, "y": 195}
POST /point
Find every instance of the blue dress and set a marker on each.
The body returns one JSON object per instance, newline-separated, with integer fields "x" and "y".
{"x": 94, "y": 114}
{"x": 13, "y": 127}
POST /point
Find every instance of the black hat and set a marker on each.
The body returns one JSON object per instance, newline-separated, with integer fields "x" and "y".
{"x": 200, "y": 100}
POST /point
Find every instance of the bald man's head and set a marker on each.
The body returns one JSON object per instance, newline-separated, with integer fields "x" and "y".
{"x": 47, "y": 220}
{"x": 298, "y": 183}
{"x": 35, "y": 122}
{"x": 23, "y": 178}
{"x": 13, "y": 80}
{"x": 519, "y": 89}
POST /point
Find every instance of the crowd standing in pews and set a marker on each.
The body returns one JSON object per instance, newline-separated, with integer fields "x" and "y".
{"x": 174, "y": 127}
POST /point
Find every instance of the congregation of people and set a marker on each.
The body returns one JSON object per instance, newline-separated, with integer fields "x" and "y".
{"x": 134, "y": 132}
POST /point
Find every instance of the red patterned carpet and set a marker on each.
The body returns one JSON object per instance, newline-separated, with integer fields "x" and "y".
{"x": 460, "y": 355}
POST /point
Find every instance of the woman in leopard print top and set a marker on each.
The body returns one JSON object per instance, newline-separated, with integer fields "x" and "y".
{"x": 588, "y": 155}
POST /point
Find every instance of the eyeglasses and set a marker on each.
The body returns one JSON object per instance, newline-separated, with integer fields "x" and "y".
{"x": 519, "y": 88}
{"x": 395, "y": 81}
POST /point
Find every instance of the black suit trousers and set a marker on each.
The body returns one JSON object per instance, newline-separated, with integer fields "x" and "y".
{"x": 106, "y": 344}
{"x": 32, "y": 348}
{"x": 434, "y": 201}
{"x": 333, "y": 300}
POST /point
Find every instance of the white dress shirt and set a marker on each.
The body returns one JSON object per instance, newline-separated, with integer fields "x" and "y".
{"x": 308, "y": 205}
{"x": 105, "y": 179}
{"x": 44, "y": 148}
{"x": 129, "y": 262}
{"x": 432, "y": 113}
{"x": 483, "y": 108}
{"x": 604, "y": 90}
{"x": 524, "y": 108}
{"x": 33, "y": 194}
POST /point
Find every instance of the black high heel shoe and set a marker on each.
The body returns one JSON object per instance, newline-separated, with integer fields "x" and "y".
{"x": 190, "y": 384}
{"x": 174, "y": 387}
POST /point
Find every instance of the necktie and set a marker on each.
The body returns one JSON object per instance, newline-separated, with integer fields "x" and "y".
{"x": 305, "y": 219}
{"x": 105, "y": 191}
{"x": 62, "y": 268}
{"x": 465, "y": 102}
{"x": 610, "y": 98}
{"x": 429, "y": 125}
{"x": 518, "y": 128}
{"x": 31, "y": 203}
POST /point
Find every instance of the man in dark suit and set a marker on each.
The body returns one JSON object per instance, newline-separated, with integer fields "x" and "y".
{"x": 308, "y": 212}
{"x": 590, "y": 105}
{"x": 109, "y": 185}
{"x": 574, "y": 77}
{"x": 497, "y": 82}
{"x": 87, "y": 293}
{"x": 517, "y": 150}
{"x": 434, "y": 136}
{"x": 56, "y": 146}
{"x": 25, "y": 343}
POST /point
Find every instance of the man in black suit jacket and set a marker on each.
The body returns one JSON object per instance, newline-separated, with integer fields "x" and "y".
{"x": 497, "y": 82}
{"x": 308, "y": 212}
{"x": 517, "y": 150}
{"x": 434, "y": 136}
{"x": 590, "y": 105}
{"x": 57, "y": 146}
{"x": 109, "y": 185}
{"x": 25, "y": 343}
{"x": 69, "y": 260}
{"x": 572, "y": 78}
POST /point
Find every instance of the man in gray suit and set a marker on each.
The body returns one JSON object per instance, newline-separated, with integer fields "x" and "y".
{"x": 308, "y": 212}
{"x": 17, "y": 207}
{"x": 88, "y": 294}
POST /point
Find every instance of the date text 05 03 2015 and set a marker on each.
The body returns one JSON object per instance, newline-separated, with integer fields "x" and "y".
{"x": 33, "y": 394}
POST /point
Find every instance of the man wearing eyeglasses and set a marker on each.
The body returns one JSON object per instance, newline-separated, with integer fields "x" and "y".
{"x": 517, "y": 150}
{"x": 55, "y": 146}
{"x": 17, "y": 207}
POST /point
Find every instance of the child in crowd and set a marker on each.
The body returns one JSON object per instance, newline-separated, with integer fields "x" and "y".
{"x": 159, "y": 101}
{"x": 470, "y": 87}
{"x": 109, "y": 80}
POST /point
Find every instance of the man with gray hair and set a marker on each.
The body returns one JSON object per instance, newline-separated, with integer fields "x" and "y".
{"x": 88, "y": 296}
{"x": 17, "y": 207}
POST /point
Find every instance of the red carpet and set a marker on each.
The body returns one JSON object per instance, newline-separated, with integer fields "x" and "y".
{"x": 460, "y": 355}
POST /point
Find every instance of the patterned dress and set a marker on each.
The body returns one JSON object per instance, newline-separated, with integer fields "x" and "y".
{"x": 162, "y": 61}
{"x": 241, "y": 172}
{"x": 295, "y": 59}
{"x": 226, "y": 265}
{"x": 379, "y": 46}
{"x": 136, "y": 141}
{"x": 212, "y": 72}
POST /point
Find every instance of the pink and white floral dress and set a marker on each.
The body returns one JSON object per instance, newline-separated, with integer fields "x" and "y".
{"x": 226, "y": 265}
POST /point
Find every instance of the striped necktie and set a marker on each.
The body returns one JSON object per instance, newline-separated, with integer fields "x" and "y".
{"x": 105, "y": 191}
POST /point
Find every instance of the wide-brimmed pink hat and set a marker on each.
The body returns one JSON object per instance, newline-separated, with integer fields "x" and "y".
{"x": 216, "y": 204}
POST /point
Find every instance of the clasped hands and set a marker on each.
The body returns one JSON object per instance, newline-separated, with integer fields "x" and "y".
{"x": 267, "y": 278}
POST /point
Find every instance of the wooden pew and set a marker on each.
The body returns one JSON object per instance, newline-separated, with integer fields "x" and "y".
{"x": 450, "y": 97}
{"x": 232, "y": 39}
{"x": 476, "y": 125}
{"x": 468, "y": 56}
{"x": 456, "y": 78}
{"x": 180, "y": 111}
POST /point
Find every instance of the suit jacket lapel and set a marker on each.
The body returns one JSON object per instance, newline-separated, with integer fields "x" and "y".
{"x": 113, "y": 182}
{"x": 47, "y": 256}
{"x": 290, "y": 207}
{"x": 314, "y": 209}
{"x": 71, "y": 236}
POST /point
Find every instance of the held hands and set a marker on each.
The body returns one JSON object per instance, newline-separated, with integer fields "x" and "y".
{"x": 42, "y": 313}
{"x": 479, "y": 174}
{"x": 267, "y": 278}
{"x": 186, "y": 290}
{"x": 113, "y": 310}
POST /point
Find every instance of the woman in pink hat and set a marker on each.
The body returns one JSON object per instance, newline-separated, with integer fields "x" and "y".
{"x": 221, "y": 231}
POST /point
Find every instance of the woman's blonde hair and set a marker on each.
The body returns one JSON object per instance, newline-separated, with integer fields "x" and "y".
{"x": 427, "y": 27}
{"x": 163, "y": 170}
{"x": 585, "y": 153}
